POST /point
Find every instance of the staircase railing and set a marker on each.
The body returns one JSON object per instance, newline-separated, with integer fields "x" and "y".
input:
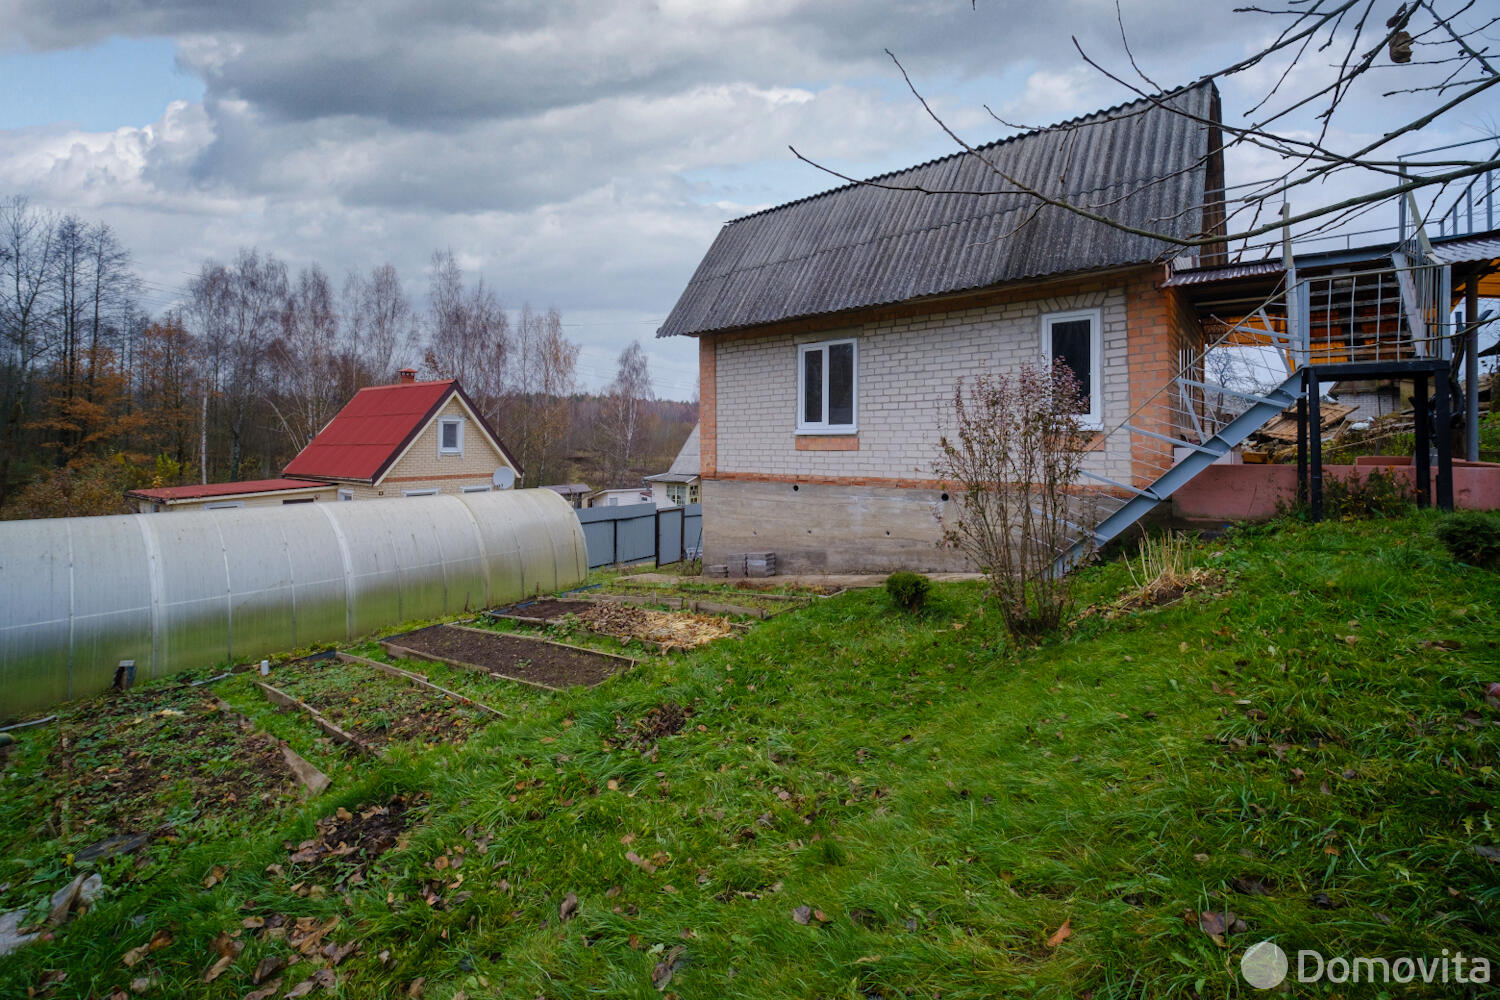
{"x": 1248, "y": 374}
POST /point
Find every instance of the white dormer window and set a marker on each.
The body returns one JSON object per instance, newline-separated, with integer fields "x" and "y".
{"x": 451, "y": 436}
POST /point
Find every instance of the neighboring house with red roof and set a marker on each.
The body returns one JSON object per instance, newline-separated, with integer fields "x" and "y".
{"x": 212, "y": 496}
{"x": 407, "y": 439}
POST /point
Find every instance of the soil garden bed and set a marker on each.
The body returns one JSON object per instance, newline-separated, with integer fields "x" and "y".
{"x": 375, "y": 708}
{"x": 547, "y": 611}
{"x": 721, "y": 602}
{"x": 551, "y": 665}
{"x": 116, "y": 773}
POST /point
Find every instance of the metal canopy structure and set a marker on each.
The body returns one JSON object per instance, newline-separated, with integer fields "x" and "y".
{"x": 1276, "y": 332}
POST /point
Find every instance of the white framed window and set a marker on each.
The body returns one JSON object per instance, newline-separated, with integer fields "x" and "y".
{"x": 827, "y": 387}
{"x": 477, "y": 489}
{"x": 451, "y": 436}
{"x": 224, "y": 505}
{"x": 1076, "y": 338}
{"x": 419, "y": 493}
{"x": 346, "y": 494}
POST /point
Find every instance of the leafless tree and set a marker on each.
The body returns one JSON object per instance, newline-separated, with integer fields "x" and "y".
{"x": 379, "y": 323}
{"x": 623, "y": 417}
{"x": 313, "y": 378}
{"x": 1435, "y": 48}
{"x": 537, "y": 407}
{"x": 27, "y": 262}
{"x": 469, "y": 334}
{"x": 237, "y": 311}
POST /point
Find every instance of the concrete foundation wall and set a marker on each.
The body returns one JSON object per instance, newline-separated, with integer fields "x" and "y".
{"x": 816, "y": 528}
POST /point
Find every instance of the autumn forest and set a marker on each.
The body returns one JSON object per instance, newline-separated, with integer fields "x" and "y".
{"x": 99, "y": 396}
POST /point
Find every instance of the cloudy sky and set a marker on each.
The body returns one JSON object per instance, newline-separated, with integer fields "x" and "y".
{"x": 575, "y": 153}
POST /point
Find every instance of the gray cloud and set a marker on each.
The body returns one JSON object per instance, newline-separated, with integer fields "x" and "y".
{"x": 577, "y": 154}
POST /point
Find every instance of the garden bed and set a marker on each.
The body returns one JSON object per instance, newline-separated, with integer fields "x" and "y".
{"x": 538, "y": 662}
{"x": 368, "y": 709}
{"x": 119, "y": 772}
{"x": 547, "y": 611}
{"x": 747, "y": 603}
{"x": 663, "y": 630}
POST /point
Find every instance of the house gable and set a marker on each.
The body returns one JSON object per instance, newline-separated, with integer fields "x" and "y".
{"x": 382, "y": 425}
{"x": 423, "y": 459}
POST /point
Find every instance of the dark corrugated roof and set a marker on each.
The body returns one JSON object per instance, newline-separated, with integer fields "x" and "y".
{"x": 861, "y": 245}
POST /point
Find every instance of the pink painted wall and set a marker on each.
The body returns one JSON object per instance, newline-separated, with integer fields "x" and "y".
{"x": 1251, "y": 492}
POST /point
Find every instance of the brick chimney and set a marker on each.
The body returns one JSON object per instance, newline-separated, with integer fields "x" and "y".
{"x": 406, "y": 376}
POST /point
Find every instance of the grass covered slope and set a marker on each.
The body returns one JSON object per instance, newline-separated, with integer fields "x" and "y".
{"x": 859, "y": 802}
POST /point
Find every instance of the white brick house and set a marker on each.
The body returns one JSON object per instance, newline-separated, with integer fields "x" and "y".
{"x": 831, "y": 330}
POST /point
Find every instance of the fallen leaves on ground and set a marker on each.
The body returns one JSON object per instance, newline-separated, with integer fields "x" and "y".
{"x": 1216, "y": 924}
{"x": 1061, "y": 934}
{"x": 677, "y": 630}
{"x": 228, "y": 949}
{"x": 359, "y": 838}
{"x": 265, "y": 992}
{"x": 322, "y": 979}
{"x": 661, "y": 975}
{"x": 159, "y": 940}
{"x": 268, "y": 966}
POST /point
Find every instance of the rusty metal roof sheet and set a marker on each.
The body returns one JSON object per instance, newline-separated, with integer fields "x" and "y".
{"x": 1467, "y": 251}
{"x": 1206, "y": 275}
{"x": 955, "y": 224}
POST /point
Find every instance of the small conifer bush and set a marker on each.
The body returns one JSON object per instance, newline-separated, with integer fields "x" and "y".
{"x": 908, "y": 590}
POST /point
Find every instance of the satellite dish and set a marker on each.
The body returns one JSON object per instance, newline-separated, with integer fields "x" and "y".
{"x": 504, "y": 478}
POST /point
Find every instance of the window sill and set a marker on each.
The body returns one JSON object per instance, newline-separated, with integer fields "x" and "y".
{"x": 813, "y": 441}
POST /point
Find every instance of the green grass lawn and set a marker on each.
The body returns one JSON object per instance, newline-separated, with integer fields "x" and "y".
{"x": 864, "y": 803}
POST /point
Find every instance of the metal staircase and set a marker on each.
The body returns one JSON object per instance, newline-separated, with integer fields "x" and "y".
{"x": 1249, "y": 374}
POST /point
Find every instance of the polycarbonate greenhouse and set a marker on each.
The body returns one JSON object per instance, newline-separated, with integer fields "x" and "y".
{"x": 171, "y": 592}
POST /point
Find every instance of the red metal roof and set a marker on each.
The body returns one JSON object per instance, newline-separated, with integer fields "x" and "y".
{"x": 370, "y": 431}
{"x": 167, "y": 494}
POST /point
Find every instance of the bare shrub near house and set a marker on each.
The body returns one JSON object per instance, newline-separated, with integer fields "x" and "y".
{"x": 1015, "y": 451}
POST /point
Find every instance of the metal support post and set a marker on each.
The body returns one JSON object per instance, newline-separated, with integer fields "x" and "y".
{"x": 1442, "y": 426}
{"x": 1302, "y": 443}
{"x": 1471, "y": 369}
{"x": 1315, "y": 446}
{"x": 1420, "y": 423}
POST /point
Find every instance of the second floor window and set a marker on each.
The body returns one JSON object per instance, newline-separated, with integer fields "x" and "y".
{"x": 827, "y": 386}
